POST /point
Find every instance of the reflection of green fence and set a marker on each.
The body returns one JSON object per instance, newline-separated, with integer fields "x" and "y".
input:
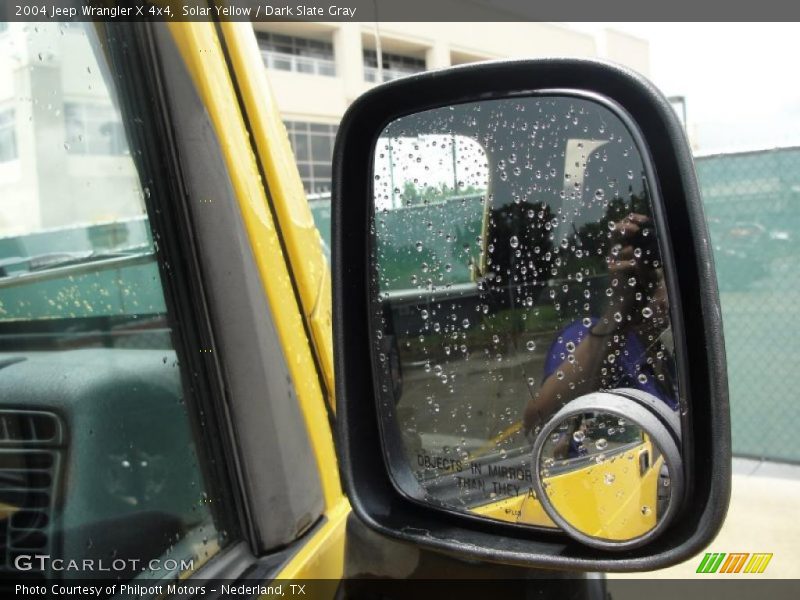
{"x": 447, "y": 256}
{"x": 752, "y": 202}
{"x": 434, "y": 241}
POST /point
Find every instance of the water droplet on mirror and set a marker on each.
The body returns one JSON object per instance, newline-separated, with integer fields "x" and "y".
{"x": 418, "y": 246}
{"x": 645, "y": 510}
{"x": 423, "y": 313}
{"x": 579, "y": 436}
{"x": 601, "y": 444}
{"x": 571, "y": 346}
{"x": 609, "y": 478}
{"x": 647, "y": 312}
{"x": 531, "y": 345}
{"x": 514, "y": 241}
{"x": 599, "y": 194}
{"x": 642, "y": 378}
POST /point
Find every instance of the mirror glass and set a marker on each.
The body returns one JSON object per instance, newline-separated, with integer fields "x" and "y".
{"x": 605, "y": 476}
{"x": 515, "y": 265}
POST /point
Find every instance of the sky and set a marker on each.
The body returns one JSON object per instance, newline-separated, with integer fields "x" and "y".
{"x": 740, "y": 80}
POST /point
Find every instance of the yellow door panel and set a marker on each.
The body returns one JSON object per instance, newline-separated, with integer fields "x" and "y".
{"x": 322, "y": 557}
{"x": 519, "y": 509}
{"x": 623, "y": 509}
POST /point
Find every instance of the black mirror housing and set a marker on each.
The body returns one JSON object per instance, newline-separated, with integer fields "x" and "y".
{"x": 365, "y": 473}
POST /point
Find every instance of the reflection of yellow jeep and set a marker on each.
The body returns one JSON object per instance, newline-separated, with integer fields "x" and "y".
{"x": 625, "y": 507}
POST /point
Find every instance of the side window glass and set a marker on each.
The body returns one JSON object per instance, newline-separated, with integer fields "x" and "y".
{"x": 98, "y": 459}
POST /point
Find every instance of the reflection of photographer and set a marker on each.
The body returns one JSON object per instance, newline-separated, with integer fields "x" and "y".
{"x": 570, "y": 442}
{"x": 624, "y": 346}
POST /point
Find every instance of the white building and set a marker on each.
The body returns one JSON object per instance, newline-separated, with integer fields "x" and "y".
{"x": 55, "y": 108}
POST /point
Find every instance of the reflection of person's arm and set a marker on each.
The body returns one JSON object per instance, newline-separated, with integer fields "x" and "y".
{"x": 561, "y": 449}
{"x": 580, "y": 377}
{"x": 584, "y": 374}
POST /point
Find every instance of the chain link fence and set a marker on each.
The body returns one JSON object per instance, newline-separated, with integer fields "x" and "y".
{"x": 752, "y": 203}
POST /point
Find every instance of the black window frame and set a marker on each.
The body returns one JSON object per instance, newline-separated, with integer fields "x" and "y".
{"x": 156, "y": 97}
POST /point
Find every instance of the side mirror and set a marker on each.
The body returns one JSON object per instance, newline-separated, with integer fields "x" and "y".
{"x": 529, "y": 355}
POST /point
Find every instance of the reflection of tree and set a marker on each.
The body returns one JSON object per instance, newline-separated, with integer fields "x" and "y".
{"x": 413, "y": 195}
{"x": 530, "y": 225}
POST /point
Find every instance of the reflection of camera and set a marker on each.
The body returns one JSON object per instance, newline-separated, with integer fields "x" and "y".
{"x": 647, "y": 240}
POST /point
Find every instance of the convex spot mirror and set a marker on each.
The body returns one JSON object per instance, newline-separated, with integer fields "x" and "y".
{"x": 608, "y": 469}
{"x": 513, "y": 258}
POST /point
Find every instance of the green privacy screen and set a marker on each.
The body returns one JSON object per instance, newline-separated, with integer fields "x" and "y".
{"x": 752, "y": 203}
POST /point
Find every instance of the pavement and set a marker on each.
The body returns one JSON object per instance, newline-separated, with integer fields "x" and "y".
{"x": 764, "y": 516}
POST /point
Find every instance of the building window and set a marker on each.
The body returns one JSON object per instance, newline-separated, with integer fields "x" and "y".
{"x": 313, "y": 148}
{"x": 394, "y": 65}
{"x": 302, "y": 55}
{"x": 93, "y": 129}
{"x": 8, "y": 136}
